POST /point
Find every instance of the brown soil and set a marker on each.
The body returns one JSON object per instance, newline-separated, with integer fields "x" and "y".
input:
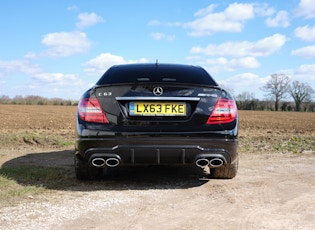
{"x": 273, "y": 189}
{"x": 17, "y": 117}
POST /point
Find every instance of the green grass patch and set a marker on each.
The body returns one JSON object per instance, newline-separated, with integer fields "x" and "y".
{"x": 52, "y": 140}
{"x": 279, "y": 143}
{"x": 295, "y": 144}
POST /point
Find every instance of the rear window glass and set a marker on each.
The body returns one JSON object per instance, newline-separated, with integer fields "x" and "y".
{"x": 151, "y": 73}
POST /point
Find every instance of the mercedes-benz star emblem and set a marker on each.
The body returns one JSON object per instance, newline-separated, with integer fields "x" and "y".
{"x": 158, "y": 91}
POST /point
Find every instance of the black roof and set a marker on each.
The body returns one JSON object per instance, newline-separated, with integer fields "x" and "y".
{"x": 154, "y": 72}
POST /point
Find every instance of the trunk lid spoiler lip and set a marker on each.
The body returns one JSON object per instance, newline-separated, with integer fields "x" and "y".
{"x": 158, "y": 83}
{"x": 158, "y": 98}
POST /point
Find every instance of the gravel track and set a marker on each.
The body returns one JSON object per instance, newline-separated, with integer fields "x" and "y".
{"x": 271, "y": 191}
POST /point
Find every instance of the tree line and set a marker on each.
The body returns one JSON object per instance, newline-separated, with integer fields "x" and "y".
{"x": 279, "y": 90}
{"x": 247, "y": 101}
{"x": 35, "y": 100}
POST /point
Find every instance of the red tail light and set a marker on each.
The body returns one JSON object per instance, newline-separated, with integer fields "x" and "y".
{"x": 225, "y": 111}
{"x": 90, "y": 110}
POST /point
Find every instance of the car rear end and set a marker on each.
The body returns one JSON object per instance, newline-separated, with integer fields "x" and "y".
{"x": 156, "y": 114}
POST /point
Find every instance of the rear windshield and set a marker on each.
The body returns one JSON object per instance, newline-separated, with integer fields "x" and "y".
{"x": 151, "y": 73}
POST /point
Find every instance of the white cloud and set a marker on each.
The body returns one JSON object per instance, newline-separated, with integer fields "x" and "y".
{"x": 217, "y": 61}
{"x": 306, "y": 9}
{"x": 203, "y": 12}
{"x": 243, "y": 63}
{"x": 159, "y": 23}
{"x": 154, "y": 23}
{"x": 263, "y": 10}
{"x": 73, "y": 8}
{"x": 304, "y": 73}
{"x": 60, "y": 85}
{"x": 160, "y": 36}
{"x": 263, "y": 47}
{"x": 157, "y": 36}
{"x": 223, "y": 64}
{"x": 55, "y": 78}
{"x": 280, "y": 20}
{"x": 26, "y": 78}
{"x": 104, "y": 61}
{"x": 305, "y": 33}
{"x": 248, "y": 82}
{"x": 22, "y": 66}
{"x": 239, "y": 12}
{"x": 30, "y": 55}
{"x": 305, "y": 52}
{"x": 66, "y": 43}
{"x": 230, "y": 20}
{"x": 88, "y": 19}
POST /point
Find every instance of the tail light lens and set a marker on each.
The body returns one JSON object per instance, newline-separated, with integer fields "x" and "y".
{"x": 225, "y": 111}
{"x": 90, "y": 110}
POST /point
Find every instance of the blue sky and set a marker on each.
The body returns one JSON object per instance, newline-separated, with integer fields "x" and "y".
{"x": 60, "y": 48}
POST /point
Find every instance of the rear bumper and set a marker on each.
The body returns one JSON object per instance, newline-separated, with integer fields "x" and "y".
{"x": 156, "y": 150}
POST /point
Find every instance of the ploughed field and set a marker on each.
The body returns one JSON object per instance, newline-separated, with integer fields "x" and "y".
{"x": 274, "y": 187}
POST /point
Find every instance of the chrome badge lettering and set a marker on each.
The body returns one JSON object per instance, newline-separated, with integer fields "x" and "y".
{"x": 105, "y": 94}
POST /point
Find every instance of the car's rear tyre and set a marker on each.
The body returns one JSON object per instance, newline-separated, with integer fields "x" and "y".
{"x": 84, "y": 171}
{"x": 227, "y": 171}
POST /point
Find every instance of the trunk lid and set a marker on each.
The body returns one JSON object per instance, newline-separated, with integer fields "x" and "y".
{"x": 145, "y": 105}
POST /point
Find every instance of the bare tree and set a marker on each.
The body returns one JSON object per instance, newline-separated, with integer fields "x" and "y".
{"x": 245, "y": 96}
{"x": 277, "y": 87}
{"x": 4, "y": 99}
{"x": 301, "y": 92}
{"x": 246, "y": 100}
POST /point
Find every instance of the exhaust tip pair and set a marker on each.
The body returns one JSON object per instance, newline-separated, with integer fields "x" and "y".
{"x": 204, "y": 162}
{"x": 101, "y": 162}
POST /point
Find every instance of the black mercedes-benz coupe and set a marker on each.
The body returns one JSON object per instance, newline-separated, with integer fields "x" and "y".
{"x": 156, "y": 114}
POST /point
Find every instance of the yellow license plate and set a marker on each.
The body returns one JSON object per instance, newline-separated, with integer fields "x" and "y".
{"x": 157, "y": 109}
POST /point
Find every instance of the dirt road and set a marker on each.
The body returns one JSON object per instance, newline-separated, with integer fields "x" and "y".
{"x": 271, "y": 191}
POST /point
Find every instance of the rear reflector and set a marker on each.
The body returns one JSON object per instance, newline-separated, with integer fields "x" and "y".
{"x": 225, "y": 111}
{"x": 90, "y": 110}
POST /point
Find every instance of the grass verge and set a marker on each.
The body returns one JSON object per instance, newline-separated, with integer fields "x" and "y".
{"x": 251, "y": 143}
{"x": 41, "y": 138}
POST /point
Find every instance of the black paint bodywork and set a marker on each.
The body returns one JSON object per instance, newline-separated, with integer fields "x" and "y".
{"x": 156, "y": 140}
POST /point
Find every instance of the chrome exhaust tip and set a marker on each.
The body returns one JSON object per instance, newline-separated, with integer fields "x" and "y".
{"x": 202, "y": 162}
{"x": 112, "y": 162}
{"x": 98, "y": 162}
{"x": 216, "y": 162}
